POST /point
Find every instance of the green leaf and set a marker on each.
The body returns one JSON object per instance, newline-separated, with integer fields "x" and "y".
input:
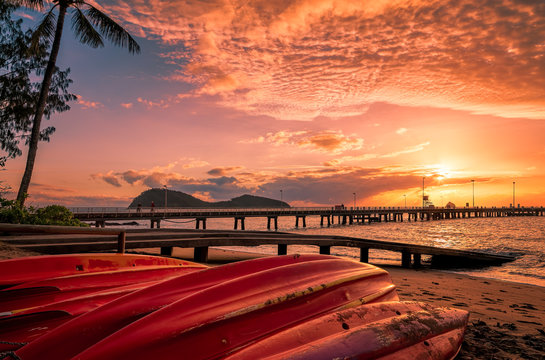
{"x": 111, "y": 30}
{"x": 85, "y": 31}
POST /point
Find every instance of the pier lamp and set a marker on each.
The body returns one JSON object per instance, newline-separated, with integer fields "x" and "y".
{"x": 513, "y": 194}
{"x": 280, "y": 195}
{"x": 473, "y": 182}
{"x": 405, "y": 196}
{"x": 165, "y": 197}
{"x": 423, "y": 178}
{"x": 354, "y": 200}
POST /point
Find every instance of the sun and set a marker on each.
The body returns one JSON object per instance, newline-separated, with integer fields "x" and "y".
{"x": 442, "y": 171}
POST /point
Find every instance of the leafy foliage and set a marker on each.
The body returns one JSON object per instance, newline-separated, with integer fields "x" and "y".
{"x": 18, "y": 94}
{"x": 11, "y": 212}
{"x": 85, "y": 18}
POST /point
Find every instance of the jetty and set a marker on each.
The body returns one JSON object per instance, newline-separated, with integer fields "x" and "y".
{"x": 328, "y": 215}
{"x": 62, "y": 240}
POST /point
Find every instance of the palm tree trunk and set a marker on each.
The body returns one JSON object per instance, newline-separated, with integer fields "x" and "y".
{"x": 40, "y": 107}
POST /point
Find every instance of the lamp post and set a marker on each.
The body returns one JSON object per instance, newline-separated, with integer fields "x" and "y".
{"x": 354, "y": 200}
{"x": 405, "y": 196}
{"x": 165, "y": 197}
{"x": 280, "y": 195}
{"x": 473, "y": 182}
{"x": 423, "y": 178}
{"x": 513, "y": 194}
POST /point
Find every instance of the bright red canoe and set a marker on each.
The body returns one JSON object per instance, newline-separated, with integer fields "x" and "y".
{"x": 387, "y": 330}
{"x": 32, "y": 308}
{"x": 20, "y": 270}
{"x": 302, "y": 307}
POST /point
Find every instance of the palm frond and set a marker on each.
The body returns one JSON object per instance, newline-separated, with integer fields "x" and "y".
{"x": 85, "y": 32}
{"x": 46, "y": 30}
{"x": 31, "y": 4}
{"x": 111, "y": 30}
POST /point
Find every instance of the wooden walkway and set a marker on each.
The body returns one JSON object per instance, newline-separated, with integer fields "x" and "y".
{"x": 60, "y": 240}
{"x": 328, "y": 215}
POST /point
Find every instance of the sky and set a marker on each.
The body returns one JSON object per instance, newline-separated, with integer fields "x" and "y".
{"x": 321, "y": 102}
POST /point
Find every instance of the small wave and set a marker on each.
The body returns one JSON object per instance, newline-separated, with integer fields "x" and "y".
{"x": 518, "y": 273}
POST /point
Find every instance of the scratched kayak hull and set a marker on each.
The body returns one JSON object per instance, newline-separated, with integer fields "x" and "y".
{"x": 21, "y": 270}
{"x": 65, "y": 341}
{"x": 388, "y": 330}
{"x": 303, "y": 306}
{"x": 48, "y": 291}
{"x": 32, "y": 308}
{"x": 216, "y": 320}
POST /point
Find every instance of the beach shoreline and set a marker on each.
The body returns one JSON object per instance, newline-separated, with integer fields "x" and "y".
{"x": 507, "y": 319}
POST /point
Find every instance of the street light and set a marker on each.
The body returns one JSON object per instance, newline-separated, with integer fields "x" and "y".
{"x": 405, "y": 200}
{"x": 513, "y": 194}
{"x": 280, "y": 195}
{"x": 354, "y": 199}
{"x": 473, "y": 182}
{"x": 423, "y": 178}
{"x": 165, "y": 197}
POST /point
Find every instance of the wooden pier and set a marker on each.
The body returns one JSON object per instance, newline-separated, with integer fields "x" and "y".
{"x": 328, "y": 216}
{"x": 60, "y": 240}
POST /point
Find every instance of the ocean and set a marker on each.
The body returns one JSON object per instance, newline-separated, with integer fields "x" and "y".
{"x": 523, "y": 237}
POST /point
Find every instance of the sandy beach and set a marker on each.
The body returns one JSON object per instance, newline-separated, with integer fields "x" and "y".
{"x": 507, "y": 319}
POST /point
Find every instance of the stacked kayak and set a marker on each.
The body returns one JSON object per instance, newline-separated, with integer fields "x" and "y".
{"x": 42, "y": 292}
{"x": 301, "y": 307}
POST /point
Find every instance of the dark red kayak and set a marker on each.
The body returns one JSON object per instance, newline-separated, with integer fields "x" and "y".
{"x": 33, "y": 308}
{"x": 386, "y": 330}
{"x": 301, "y": 307}
{"x": 21, "y": 270}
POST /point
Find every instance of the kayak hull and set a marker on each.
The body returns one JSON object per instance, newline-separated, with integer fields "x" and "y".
{"x": 296, "y": 307}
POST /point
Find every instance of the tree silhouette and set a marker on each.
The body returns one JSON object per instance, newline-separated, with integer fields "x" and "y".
{"x": 85, "y": 18}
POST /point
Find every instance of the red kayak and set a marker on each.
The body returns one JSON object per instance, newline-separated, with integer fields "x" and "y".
{"x": 20, "y": 270}
{"x": 225, "y": 315}
{"x": 31, "y": 309}
{"x": 65, "y": 341}
{"x": 388, "y": 330}
{"x": 300, "y": 307}
{"x": 48, "y": 291}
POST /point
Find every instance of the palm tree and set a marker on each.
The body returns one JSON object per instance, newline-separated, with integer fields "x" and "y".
{"x": 85, "y": 17}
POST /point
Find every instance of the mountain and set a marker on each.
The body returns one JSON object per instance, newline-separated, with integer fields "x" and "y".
{"x": 179, "y": 199}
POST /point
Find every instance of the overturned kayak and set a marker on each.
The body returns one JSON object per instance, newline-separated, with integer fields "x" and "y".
{"x": 302, "y": 306}
{"x": 32, "y": 308}
{"x": 33, "y": 268}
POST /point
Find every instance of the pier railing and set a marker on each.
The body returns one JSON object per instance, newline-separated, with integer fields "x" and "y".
{"x": 345, "y": 215}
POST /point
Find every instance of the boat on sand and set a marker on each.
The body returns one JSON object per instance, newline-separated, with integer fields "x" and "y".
{"x": 293, "y": 306}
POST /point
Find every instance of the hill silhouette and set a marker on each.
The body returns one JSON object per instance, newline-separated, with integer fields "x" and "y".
{"x": 181, "y": 199}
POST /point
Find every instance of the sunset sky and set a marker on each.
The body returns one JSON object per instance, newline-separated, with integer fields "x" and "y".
{"x": 318, "y": 98}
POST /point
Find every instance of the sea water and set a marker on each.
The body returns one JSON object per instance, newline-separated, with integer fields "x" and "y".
{"x": 522, "y": 237}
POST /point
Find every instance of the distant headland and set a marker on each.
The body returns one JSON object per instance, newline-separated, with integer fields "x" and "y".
{"x": 176, "y": 199}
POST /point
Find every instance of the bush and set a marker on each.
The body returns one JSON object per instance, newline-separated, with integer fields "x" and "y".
{"x": 11, "y": 212}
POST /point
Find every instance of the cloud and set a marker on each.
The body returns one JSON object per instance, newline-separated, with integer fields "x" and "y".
{"x": 369, "y": 156}
{"x": 319, "y": 185}
{"x": 323, "y": 141}
{"x": 110, "y": 178}
{"x": 307, "y": 58}
{"x": 154, "y": 177}
{"x": 221, "y": 171}
{"x": 86, "y": 104}
{"x": 127, "y": 105}
{"x": 401, "y": 131}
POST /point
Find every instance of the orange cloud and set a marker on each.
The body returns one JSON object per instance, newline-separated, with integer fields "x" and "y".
{"x": 325, "y": 141}
{"x": 308, "y": 58}
{"x": 222, "y": 171}
{"x": 86, "y": 104}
